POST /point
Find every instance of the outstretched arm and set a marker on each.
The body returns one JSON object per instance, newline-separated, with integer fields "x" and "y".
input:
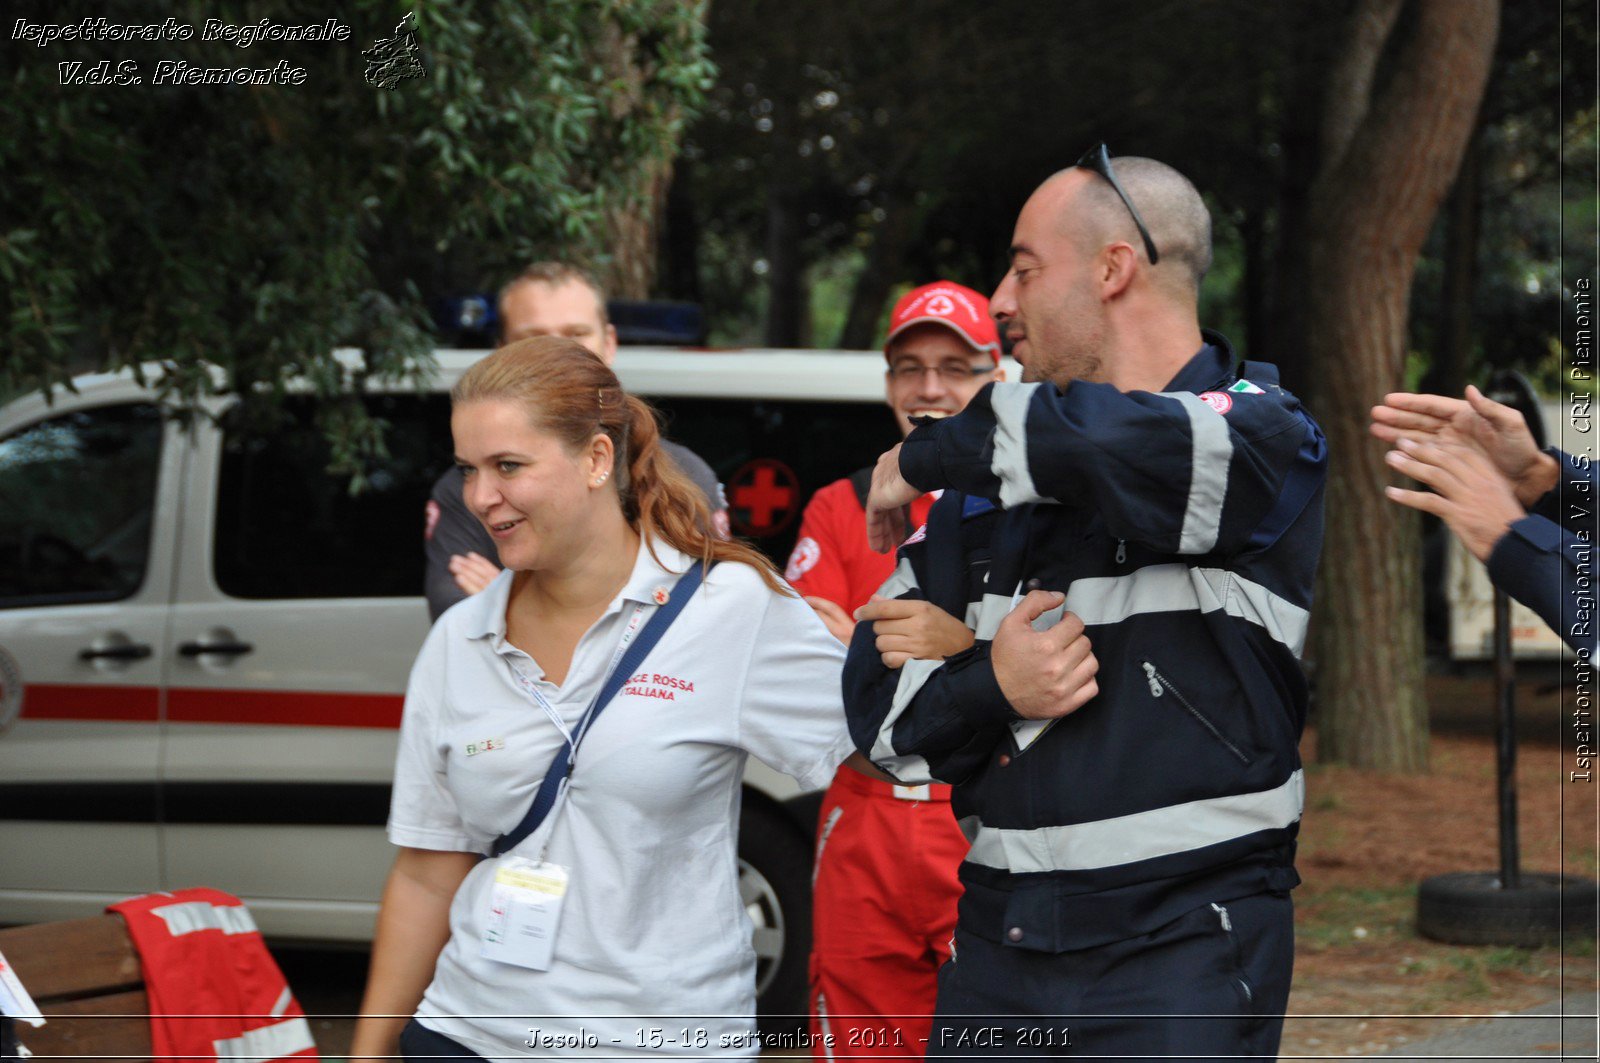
{"x": 1498, "y": 430}
{"x": 1529, "y": 556}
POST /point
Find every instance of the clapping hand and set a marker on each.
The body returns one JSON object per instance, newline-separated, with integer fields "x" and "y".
{"x": 1497, "y": 430}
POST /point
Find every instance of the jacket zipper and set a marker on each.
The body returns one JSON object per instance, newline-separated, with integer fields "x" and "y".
{"x": 1160, "y": 684}
{"x": 1227, "y": 928}
{"x": 1122, "y": 551}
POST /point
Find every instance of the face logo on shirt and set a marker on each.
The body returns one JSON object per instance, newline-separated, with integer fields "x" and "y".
{"x": 805, "y": 557}
{"x": 488, "y": 745}
{"x": 1220, "y": 401}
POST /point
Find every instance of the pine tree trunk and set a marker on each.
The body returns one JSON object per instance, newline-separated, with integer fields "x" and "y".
{"x": 786, "y": 302}
{"x": 1388, "y": 159}
{"x": 632, "y": 233}
{"x": 1463, "y": 218}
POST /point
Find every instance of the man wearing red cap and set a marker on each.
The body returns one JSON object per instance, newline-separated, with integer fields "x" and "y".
{"x": 885, "y": 876}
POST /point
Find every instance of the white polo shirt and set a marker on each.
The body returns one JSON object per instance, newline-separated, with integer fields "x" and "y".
{"x": 653, "y": 924}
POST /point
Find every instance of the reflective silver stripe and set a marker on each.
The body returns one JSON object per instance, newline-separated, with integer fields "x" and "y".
{"x": 822, "y": 841}
{"x": 913, "y": 674}
{"x": 1282, "y": 619}
{"x": 1208, "y": 474}
{"x": 902, "y": 579}
{"x": 1139, "y": 836}
{"x": 266, "y": 1043}
{"x": 912, "y": 770}
{"x": 187, "y": 917}
{"x": 991, "y": 611}
{"x": 1010, "y": 462}
{"x": 1027, "y": 732}
{"x": 822, "y": 1023}
{"x": 1169, "y": 588}
{"x": 1176, "y": 587}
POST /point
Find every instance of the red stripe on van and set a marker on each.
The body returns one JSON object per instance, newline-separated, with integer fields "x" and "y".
{"x": 296, "y": 708}
{"x": 86, "y": 701}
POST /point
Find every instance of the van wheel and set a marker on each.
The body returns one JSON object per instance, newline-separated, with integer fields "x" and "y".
{"x": 775, "y": 886}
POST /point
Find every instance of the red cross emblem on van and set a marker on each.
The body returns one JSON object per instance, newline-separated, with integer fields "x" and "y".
{"x": 763, "y": 497}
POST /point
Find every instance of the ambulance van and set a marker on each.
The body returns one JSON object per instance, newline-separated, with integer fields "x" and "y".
{"x": 205, "y": 637}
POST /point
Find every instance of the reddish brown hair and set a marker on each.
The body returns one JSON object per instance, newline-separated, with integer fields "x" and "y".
{"x": 571, "y": 394}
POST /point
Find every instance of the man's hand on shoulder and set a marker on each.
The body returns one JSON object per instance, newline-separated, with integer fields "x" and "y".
{"x": 837, "y": 620}
{"x": 886, "y": 502}
{"x": 908, "y": 628}
{"x": 1043, "y": 674}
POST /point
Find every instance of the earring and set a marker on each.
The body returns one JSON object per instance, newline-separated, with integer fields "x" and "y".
{"x": 602, "y": 478}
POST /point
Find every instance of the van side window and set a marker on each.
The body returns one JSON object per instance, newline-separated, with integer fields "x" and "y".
{"x": 77, "y": 493}
{"x": 818, "y": 442}
{"x": 286, "y": 528}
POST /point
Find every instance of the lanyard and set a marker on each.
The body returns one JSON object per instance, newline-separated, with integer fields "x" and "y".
{"x": 554, "y": 785}
{"x": 530, "y": 686}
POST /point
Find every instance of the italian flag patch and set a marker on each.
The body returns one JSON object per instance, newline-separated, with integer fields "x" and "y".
{"x": 1244, "y": 387}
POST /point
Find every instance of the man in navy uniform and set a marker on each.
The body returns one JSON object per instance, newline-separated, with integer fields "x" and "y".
{"x": 1123, "y": 734}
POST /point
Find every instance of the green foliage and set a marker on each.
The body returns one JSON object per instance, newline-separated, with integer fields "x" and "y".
{"x": 255, "y": 228}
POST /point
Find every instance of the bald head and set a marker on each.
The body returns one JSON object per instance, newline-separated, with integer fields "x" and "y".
{"x": 1179, "y": 223}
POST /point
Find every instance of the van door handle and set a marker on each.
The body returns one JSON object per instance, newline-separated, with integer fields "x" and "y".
{"x": 230, "y": 649}
{"x": 128, "y": 651}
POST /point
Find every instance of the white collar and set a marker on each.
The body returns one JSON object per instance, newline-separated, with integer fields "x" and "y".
{"x": 486, "y": 610}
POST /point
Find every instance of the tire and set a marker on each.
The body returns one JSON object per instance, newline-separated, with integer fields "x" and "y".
{"x": 775, "y": 885}
{"x": 1471, "y": 908}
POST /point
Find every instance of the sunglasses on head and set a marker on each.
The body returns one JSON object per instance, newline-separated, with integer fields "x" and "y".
{"x": 1098, "y": 159}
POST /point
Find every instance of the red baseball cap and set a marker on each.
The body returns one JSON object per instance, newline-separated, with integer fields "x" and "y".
{"x": 952, "y": 305}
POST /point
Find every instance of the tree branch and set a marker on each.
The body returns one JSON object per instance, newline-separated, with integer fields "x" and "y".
{"x": 1349, "y": 96}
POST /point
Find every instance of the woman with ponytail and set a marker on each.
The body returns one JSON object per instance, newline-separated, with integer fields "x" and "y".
{"x": 608, "y": 921}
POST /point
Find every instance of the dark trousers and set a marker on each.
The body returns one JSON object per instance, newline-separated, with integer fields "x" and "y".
{"x": 1210, "y": 983}
{"x": 419, "y": 1042}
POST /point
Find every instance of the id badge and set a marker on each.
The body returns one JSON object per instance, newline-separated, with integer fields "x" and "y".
{"x": 524, "y": 911}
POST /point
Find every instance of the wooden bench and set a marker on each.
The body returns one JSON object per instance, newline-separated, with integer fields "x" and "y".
{"x": 85, "y": 977}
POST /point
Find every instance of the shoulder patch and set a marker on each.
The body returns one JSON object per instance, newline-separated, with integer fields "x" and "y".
{"x": 1244, "y": 387}
{"x": 1220, "y": 401}
{"x": 804, "y": 558}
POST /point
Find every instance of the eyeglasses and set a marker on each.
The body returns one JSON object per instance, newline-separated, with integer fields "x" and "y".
{"x": 1098, "y": 159}
{"x": 950, "y": 372}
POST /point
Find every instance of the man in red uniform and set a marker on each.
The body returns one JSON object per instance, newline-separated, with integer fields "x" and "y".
{"x": 885, "y": 876}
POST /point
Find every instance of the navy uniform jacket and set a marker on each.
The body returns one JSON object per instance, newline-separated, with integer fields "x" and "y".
{"x": 1184, "y": 528}
{"x": 1546, "y": 560}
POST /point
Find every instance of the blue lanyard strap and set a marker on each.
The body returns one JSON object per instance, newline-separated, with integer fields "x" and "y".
{"x": 561, "y": 767}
